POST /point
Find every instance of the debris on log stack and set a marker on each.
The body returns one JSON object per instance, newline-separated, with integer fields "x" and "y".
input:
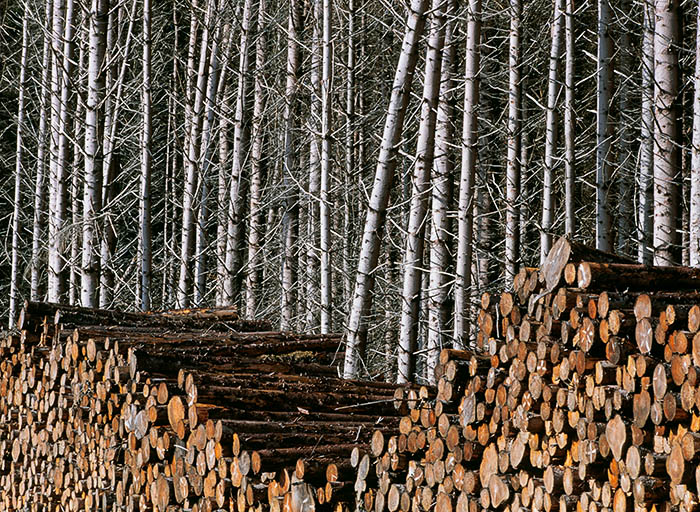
{"x": 189, "y": 410}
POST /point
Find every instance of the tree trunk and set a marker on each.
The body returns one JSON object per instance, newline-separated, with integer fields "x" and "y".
{"x": 569, "y": 123}
{"x": 145, "y": 254}
{"x": 646, "y": 158}
{"x": 14, "y": 273}
{"x": 604, "y": 128}
{"x": 625, "y": 224}
{"x": 465, "y": 237}
{"x": 257, "y": 163}
{"x": 386, "y": 164}
{"x": 666, "y": 152}
{"x": 420, "y": 189}
{"x": 695, "y": 163}
{"x": 325, "y": 210}
{"x": 513, "y": 164}
{"x": 94, "y": 127}
{"x": 232, "y": 264}
{"x": 550, "y": 147}
{"x": 290, "y": 218}
{"x": 350, "y": 149}
{"x": 438, "y": 309}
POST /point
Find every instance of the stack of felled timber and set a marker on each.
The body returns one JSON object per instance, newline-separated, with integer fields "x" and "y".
{"x": 582, "y": 393}
{"x": 188, "y": 410}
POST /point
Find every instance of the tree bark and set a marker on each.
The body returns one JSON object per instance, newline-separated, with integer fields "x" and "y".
{"x": 646, "y": 158}
{"x": 626, "y": 156}
{"x": 420, "y": 189}
{"x": 550, "y": 148}
{"x": 325, "y": 199}
{"x": 569, "y": 123}
{"x": 604, "y": 128}
{"x": 695, "y": 163}
{"x": 145, "y": 242}
{"x": 393, "y": 127}
{"x": 666, "y": 153}
{"x": 463, "y": 281}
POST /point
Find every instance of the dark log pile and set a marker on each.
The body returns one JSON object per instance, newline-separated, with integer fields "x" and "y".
{"x": 190, "y": 410}
{"x": 582, "y": 393}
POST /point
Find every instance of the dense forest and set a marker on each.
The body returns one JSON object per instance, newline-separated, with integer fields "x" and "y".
{"x": 364, "y": 166}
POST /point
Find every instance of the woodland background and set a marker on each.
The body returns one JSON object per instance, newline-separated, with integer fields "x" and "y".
{"x": 169, "y": 154}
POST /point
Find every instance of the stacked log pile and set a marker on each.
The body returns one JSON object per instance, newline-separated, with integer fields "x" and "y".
{"x": 191, "y": 410}
{"x": 582, "y": 393}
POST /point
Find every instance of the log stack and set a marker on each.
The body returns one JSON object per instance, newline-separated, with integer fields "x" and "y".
{"x": 190, "y": 410}
{"x": 581, "y": 393}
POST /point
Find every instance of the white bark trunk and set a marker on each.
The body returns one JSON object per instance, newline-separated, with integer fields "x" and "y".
{"x": 550, "y": 148}
{"x": 627, "y": 135}
{"x": 646, "y": 150}
{"x": 695, "y": 163}
{"x": 94, "y": 126}
{"x": 255, "y": 228}
{"x": 569, "y": 123}
{"x": 465, "y": 210}
{"x": 420, "y": 190}
{"x": 145, "y": 254}
{"x": 604, "y": 128}
{"x": 386, "y": 165}
{"x": 325, "y": 221}
{"x": 443, "y": 167}
{"x": 14, "y": 273}
{"x": 666, "y": 168}
{"x": 513, "y": 159}
{"x": 349, "y": 152}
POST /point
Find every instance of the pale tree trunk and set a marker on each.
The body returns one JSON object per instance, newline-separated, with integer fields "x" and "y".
{"x": 145, "y": 254}
{"x": 192, "y": 174}
{"x": 14, "y": 273}
{"x": 666, "y": 170}
{"x": 325, "y": 221}
{"x": 232, "y": 265}
{"x": 349, "y": 151}
{"x": 695, "y": 163}
{"x": 550, "y": 147}
{"x": 38, "y": 224}
{"x": 255, "y": 228}
{"x": 569, "y": 123}
{"x": 205, "y": 158}
{"x": 513, "y": 163}
{"x": 604, "y": 128}
{"x": 646, "y": 158}
{"x": 386, "y": 164}
{"x": 465, "y": 216}
{"x": 438, "y": 310}
{"x": 314, "y": 128}
{"x": 524, "y": 176}
{"x": 420, "y": 190}
{"x": 626, "y": 156}
{"x": 94, "y": 126}
{"x": 290, "y": 219}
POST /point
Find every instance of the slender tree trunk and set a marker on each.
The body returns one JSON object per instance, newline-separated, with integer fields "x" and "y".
{"x": 393, "y": 127}
{"x": 695, "y": 163}
{"x": 625, "y": 224}
{"x": 255, "y": 228}
{"x": 569, "y": 123}
{"x": 38, "y": 224}
{"x": 666, "y": 170}
{"x": 325, "y": 221}
{"x": 603, "y": 128}
{"x": 442, "y": 176}
{"x": 350, "y": 133}
{"x": 145, "y": 253}
{"x": 232, "y": 264}
{"x": 646, "y": 159}
{"x": 290, "y": 219}
{"x": 463, "y": 281}
{"x": 14, "y": 274}
{"x": 551, "y": 131}
{"x": 524, "y": 178}
{"x": 415, "y": 238}
{"x": 513, "y": 164}
{"x": 94, "y": 126}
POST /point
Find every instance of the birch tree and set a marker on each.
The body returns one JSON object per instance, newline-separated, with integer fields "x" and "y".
{"x": 646, "y": 150}
{"x": 695, "y": 163}
{"x": 386, "y": 164}
{"x": 627, "y": 135}
{"x": 666, "y": 170}
{"x": 550, "y": 147}
{"x": 420, "y": 188}
{"x": 603, "y": 127}
{"x": 569, "y": 122}
{"x": 469, "y": 152}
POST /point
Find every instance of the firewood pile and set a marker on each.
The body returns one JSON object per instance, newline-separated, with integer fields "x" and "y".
{"x": 582, "y": 393}
{"x": 193, "y": 410}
